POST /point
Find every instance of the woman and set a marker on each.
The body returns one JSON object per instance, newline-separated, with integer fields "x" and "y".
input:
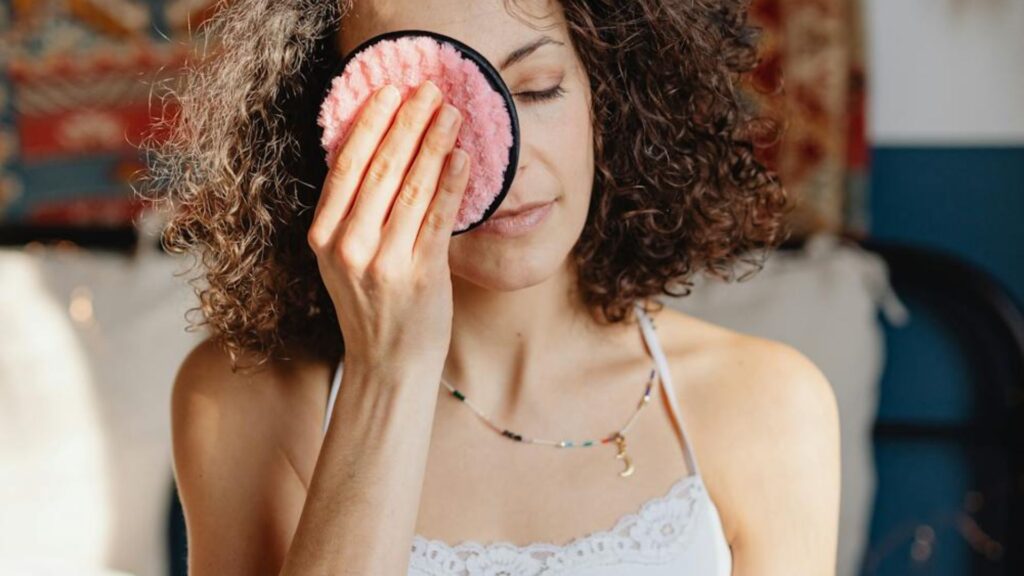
{"x": 635, "y": 135}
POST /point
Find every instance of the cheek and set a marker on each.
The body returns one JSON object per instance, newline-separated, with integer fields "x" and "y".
{"x": 561, "y": 133}
{"x": 575, "y": 149}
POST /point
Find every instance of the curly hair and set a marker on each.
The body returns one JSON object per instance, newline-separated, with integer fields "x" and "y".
{"x": 678, "y": 187}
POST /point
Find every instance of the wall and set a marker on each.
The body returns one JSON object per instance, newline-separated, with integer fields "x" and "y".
{"x": 946, "y": 121}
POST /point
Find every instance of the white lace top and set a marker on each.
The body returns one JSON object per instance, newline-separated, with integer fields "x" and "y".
{"x": 678, "y": 533}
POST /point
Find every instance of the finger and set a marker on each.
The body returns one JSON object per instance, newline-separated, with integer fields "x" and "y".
{"x": 387, "y": 169}
{"x": 347, "y": 169}
{"x": 436, "y": 231}
{"x": 421, "y": 183}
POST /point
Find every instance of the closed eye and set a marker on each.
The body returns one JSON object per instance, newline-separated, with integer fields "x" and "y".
{"x": 538, "y": 96}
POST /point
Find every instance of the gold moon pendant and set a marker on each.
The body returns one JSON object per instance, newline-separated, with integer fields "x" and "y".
{"x": 621, "y": 441}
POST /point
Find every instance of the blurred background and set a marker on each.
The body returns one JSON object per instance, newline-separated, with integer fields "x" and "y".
{"x": 903, "y": 280}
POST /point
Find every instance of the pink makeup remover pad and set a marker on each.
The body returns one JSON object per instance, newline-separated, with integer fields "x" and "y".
{"x": 406, "y": 58}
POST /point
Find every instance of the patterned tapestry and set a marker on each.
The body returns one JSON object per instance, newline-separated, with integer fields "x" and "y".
{"x": 75, "y": 80}
{"x": 812, "y": 74}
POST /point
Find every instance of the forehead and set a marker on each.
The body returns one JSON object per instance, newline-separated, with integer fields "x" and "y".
{"x": 492, "y": 27}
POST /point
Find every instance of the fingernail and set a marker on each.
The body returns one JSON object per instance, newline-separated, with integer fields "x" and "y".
{"x": 448, "y": 115}
{"x": 428, "y": 87}
{"x": 458, "y": 160}
{"x": 390, "y": 94}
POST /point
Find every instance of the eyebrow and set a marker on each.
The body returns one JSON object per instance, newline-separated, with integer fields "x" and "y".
{"x": 527, "y": 49}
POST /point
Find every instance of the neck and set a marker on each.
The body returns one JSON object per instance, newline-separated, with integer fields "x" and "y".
{"x": 525, "y": 347}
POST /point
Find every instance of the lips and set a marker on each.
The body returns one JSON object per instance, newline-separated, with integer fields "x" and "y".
{"x": 519, "y": 209}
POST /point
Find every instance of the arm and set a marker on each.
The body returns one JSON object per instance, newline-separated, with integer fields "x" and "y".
{"x": 246, "y": 508}
{"x": 239, "y": 493}
{"x": 786, "y": 484}
{"x": 385, "y": 267}
{"x": 360, "y": 514}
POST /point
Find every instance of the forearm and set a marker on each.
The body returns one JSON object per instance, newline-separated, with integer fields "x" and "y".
{"x": 360, "y": 512}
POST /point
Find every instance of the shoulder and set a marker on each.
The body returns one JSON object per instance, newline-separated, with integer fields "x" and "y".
{"x": 765, "y": 424}
{"x": 744, "y": 371}
{"x": 244, "y": 446}
{"x": 214, "y": 408}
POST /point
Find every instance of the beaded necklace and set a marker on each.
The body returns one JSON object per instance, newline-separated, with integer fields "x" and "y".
{"x": 619, "y": 437}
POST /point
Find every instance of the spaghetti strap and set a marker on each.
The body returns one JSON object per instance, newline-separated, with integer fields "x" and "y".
{"x": 661, "y": 363}
{"x": 335, "y": 384}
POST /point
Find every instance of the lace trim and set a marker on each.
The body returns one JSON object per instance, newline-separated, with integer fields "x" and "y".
{"x": 654, "y": 534}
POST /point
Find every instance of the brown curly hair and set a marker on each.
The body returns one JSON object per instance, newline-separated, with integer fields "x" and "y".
{"x": 679, "y": 189}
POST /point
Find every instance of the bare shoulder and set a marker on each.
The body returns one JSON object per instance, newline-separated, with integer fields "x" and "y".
{"x": 765, "y": 426}
{"x": 287, "y": 398}
{"x": 244, "y": 445}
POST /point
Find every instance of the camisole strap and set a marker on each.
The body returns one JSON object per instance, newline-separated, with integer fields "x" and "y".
{"x": 661, "y": 363}
{"x": 335, "y": 385}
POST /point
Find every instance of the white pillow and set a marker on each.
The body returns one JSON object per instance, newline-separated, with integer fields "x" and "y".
{"x": 89, "y": 427}
{"x": 823, "y": 300}
{"x": 54, "y": 489}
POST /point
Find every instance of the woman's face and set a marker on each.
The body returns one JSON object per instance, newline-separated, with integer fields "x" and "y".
{"x": 556, "y": 147}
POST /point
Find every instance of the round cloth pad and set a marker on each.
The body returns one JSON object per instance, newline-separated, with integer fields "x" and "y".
{"x": 489, "y": 132}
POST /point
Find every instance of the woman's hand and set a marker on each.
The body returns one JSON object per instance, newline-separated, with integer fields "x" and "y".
{"x": 381, "y": 236}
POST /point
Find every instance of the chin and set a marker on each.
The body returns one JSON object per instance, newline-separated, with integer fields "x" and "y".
{"x": 508, "y": 269}
{"x": 504, "y": 266}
